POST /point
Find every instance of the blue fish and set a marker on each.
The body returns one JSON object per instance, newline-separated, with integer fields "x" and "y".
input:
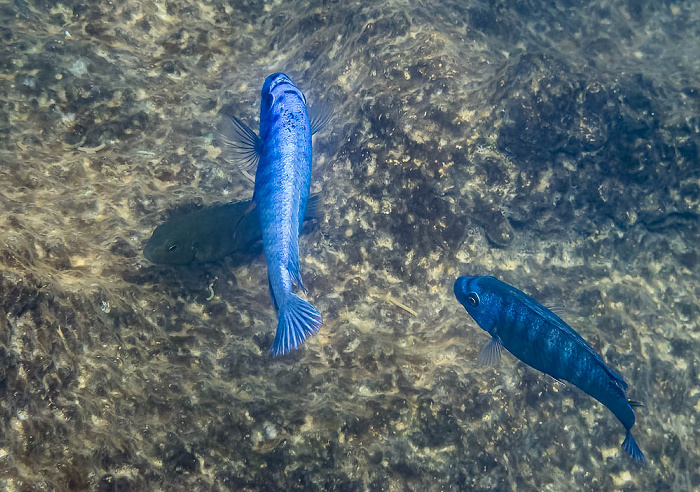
{"x": 282, "y": 154}
{"x": 541, "y": 339}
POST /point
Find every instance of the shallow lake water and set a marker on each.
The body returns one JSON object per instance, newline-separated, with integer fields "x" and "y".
{"x": 553, "y": 145}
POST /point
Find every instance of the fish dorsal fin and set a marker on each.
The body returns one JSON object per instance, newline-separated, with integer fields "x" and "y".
{"x": 239, "y": 144}
{"x": 561, "y": 324}
{"x": 319, "y": 116}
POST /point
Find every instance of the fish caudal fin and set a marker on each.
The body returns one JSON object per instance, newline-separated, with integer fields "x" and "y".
{"x": 630, "y": 445}
{"x": 298, "y": 320}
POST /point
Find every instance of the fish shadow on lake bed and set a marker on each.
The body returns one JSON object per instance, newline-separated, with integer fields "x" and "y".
{"x": 207, "y": 295}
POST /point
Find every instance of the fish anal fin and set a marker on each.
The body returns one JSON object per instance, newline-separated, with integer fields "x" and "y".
{"x": 293, "y": 266}
{"x": 295, "y": 273}
{"x": 272, "y": 295}
{"x": 490, "y": 354}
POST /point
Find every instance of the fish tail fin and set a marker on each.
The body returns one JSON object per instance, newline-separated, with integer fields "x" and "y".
{"x": 298, "y": 320}
{"x": 630, "y": 445}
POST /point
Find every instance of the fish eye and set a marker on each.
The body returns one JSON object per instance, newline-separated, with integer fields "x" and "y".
{"x": 173, "y": 247}
{"x": 473, "y": 299}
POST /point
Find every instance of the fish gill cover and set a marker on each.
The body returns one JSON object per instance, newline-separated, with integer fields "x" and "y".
{"x": 555, "y": 147}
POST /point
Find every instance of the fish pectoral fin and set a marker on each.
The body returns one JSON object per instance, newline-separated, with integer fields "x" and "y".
{"x": 313, "y": 205}
{"x": 320, "y": 115}
{"x": 490, "y": 355}
{"x": 635, "y": 404}
{"x": 239, "y": 144}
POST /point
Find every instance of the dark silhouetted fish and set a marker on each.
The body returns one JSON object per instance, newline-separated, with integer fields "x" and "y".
{"x": 210, "y": 234}
{"x": 538, "y": 337}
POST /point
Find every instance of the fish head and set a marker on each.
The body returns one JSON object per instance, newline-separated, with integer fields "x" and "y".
{"x": 170, "y": 246}
{"x": 274, "y": 81}
{"x": 275, "y": 86}
{"x": 278, "y": 94}
{"x": 479, "y": 296}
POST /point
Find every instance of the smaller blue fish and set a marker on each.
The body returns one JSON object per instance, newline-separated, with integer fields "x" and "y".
{"x": 541, "y": 339}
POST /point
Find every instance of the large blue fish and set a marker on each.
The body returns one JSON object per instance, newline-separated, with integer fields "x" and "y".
{"x": 538, "y": 337}
{"x": 282, "y": 154}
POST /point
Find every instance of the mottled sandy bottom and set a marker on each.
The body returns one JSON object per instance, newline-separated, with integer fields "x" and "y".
{"x": 554, "y": 147}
